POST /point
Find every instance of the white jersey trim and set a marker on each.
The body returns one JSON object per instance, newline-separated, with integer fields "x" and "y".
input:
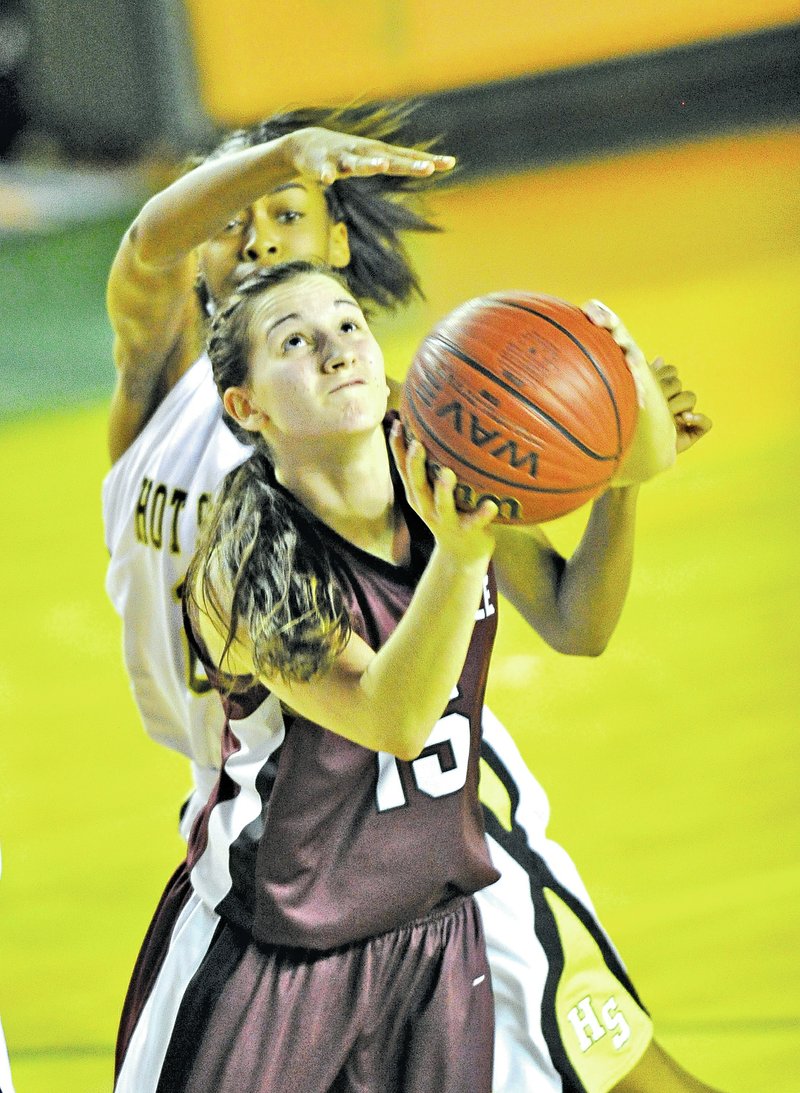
{"x": 260, "y": 736}
{"x": 147, "y": 1050}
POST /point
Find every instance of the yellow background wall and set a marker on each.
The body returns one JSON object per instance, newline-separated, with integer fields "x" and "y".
{"x": 255, "y": 57}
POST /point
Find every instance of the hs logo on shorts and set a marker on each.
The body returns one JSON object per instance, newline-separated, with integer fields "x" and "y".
{"x": 589, "y": 1028}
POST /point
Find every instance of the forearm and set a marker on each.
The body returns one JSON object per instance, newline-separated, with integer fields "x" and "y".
{"x": 593, "y": 584}
{"x": 200, "y": 203}
{"x": 390, "y": 700}
{"x": 408, "y": 684}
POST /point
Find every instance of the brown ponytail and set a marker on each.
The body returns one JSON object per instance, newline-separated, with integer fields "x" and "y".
{"x": 262, "y": 564}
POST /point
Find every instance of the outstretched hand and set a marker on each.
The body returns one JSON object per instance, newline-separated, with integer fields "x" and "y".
{"x": 467, "y": 536}
{"x": 325, "y": 156}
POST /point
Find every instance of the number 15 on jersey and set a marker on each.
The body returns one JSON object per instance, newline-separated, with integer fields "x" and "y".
{"x": 439, "y": 770}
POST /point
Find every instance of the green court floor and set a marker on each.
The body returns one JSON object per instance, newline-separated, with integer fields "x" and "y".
{"x": 672, "y": 761}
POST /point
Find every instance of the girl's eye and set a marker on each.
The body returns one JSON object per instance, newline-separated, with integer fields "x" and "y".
{"x": 349, "y": 326}
{"x": 234, "y": 225}
{"x": 289, "y": 217}
{"x": 294, "y": 341}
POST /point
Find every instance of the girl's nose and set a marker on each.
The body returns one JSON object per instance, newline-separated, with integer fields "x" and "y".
{"x": 260, "y": 242}
{"x": 338, "y": 357}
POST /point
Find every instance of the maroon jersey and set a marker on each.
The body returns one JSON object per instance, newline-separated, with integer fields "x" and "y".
{"x": 311, "y": 840}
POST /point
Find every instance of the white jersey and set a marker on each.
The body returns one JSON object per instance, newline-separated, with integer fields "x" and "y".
{"x": 153, "y": 500}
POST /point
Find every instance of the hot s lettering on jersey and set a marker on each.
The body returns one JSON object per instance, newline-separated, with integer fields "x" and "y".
{"x": 158, "y": 512}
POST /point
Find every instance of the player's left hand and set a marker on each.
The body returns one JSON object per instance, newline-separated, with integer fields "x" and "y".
{"x": 653, "y": 448}
{"x": 689, "y": 425}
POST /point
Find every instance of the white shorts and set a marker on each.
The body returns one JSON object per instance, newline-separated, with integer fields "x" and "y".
{"x": 567, "y": 1016}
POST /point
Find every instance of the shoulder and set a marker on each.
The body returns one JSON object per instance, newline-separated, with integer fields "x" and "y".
{"x": 193, "y": 394}
{"x": 154, "y": 346}
{"x": 185, "y": 446}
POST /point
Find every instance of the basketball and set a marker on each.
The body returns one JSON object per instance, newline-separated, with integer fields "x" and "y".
{"x": 528, "y": 402}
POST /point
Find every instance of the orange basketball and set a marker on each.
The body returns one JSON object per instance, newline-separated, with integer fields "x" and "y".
{"x": 526, "y": 400}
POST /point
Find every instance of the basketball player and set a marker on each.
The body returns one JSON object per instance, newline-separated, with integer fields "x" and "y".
{"x": 290, "y": 189}
{"x": 342, "y": 948}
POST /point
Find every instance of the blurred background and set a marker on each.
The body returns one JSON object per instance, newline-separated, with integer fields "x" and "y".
{"x": 645, "y": 154}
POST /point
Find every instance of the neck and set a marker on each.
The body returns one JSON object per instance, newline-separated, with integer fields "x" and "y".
{"x": 349, "y": 487}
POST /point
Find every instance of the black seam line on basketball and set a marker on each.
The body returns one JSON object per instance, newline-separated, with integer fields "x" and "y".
{"x": 453, "y": 348}
{"x": 583, "y": 349}
{"x": 495, "y": 477}
{"x": 423, "y": 427}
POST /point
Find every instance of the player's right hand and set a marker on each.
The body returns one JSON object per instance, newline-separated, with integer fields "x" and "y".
{"x": 325, "y": 156}
{"x": 466, "y": 536}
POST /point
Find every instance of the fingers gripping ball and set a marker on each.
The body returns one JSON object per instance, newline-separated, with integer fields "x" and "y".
{"x": 526, "y": 400}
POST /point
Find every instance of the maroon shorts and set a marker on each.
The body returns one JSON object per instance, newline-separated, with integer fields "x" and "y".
{"x": 410, "y": 1010}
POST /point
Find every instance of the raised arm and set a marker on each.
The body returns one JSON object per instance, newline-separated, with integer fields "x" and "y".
{"x": 154, "y": 315}
{"x": 575, "y": 603}
{"x": 358, "y": 697}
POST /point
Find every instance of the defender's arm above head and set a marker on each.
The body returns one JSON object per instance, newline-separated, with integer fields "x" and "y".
{"x": 151, "y": 301}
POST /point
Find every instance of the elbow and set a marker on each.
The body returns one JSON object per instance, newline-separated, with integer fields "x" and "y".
{"x": 145, "y": 240}
{"x": 595, "y": 649}
{"x": 584, "y": 636}
{"x": 583, "y": 645}
{"x": 135, "y": 238}
{"x": 144, "y": 244}
{"x": 406, "y": 740}
{"x": 404, "y": 754}
{"x": 407, "y": 746}
{"x": 380, "y": 722}
{"x": 594, "y": 643}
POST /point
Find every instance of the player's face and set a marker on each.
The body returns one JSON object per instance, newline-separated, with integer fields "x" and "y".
{"x": 291, "y": 222}
{"x": 315, "y": 369}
